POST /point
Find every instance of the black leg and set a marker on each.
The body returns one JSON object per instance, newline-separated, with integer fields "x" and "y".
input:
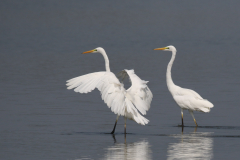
{"x": 115, "y": 126}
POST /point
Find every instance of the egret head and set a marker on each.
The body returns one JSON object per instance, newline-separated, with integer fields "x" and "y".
{"x": 168, "y": 48}
{"x": 96, "y": 50}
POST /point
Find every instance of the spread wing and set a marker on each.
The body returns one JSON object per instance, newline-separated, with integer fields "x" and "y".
{"x": 139, "y": 93}
{"x": 111, "y": 89}
{"x": 120, "y": 101}
{"x": 113, "y": 93}
{"x": 85, "y": 83}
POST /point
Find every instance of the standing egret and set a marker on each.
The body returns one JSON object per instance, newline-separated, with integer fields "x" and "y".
{"x": 127, "y": 103}
{"x": 185, "y": 98}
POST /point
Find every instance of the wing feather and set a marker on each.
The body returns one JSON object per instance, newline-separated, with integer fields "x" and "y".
{"x": 191, "y": 100}
{"x": 139, "y": 93}
{"x": 189, "y": 92}
{"x": 120, "y": 101}
{"x": 113, "y": 93}
{"x": 85, "y": 83}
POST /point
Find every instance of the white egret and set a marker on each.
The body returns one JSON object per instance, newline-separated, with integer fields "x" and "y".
{"x": 185, "y": 98}
{"x": 127, "y": 103}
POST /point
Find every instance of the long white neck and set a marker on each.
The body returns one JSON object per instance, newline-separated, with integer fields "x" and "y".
{"x": 170, "y": 83}
{"x": 106, "y": 60}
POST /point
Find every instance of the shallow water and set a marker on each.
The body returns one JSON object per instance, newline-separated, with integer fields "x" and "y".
{"x": 40, "y": 46}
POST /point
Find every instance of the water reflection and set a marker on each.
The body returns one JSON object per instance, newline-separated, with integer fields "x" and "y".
{"x": 196, "y": 145}
{"x": 129, "y": 151}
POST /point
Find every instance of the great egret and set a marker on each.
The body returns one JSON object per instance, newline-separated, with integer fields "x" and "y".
{"x": 122, "y": 102}
{"x": 185, "y": 98}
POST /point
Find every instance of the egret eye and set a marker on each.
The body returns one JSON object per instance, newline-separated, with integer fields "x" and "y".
{"x": 95, "y": 50}
{"x": 167, "y": 48}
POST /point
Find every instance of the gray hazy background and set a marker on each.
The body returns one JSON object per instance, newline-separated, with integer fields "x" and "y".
{"x": 40, "y": 48}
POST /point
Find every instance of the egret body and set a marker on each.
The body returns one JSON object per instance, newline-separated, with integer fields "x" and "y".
{"x": 187, "y": 99}
{"x": 127, "y": 103}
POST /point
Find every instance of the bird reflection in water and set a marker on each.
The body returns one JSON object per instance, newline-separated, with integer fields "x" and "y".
{"x": 196, "y": 145}
{"x": 129, "y": 151}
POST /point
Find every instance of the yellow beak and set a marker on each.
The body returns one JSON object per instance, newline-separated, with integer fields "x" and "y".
{"x": 160, "y": 48}
{"x": 88, "y": 52}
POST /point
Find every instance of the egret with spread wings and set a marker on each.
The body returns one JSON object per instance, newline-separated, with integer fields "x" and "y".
{"x": 127, "y": 103}
{"x": 185, "y": 98}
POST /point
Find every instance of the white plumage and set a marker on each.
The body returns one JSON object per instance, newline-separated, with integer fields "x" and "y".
{"x": 122, "y": 102}
{"x": 185, "y": 98}
{"x": 191, "y": 100}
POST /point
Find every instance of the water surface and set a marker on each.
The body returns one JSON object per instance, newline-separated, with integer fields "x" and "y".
{"x": 40, "y": 46}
